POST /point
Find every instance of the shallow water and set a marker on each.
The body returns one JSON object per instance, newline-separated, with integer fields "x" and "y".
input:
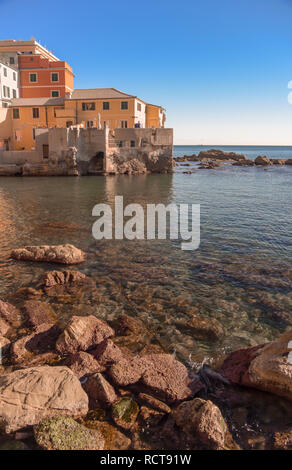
{"x": 241, "y": 274}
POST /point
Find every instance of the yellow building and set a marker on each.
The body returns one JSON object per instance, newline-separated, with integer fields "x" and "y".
{"x": 89, "y": 107}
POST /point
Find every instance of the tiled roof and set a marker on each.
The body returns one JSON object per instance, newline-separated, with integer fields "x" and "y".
{"x": 98, "y": 93}
{"x": 37, "y": 102}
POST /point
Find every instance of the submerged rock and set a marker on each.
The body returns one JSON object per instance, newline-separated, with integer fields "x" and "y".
{"x": 53, "y": 278}
{"x": 125, "y": 412}
{"x": 282, "y": 440}
{"x": 114, "y": 439}
{"x": 205, "y": 328}
{"x": 27, "y": 396}
{"x": 202, "y": 421}
{"x": 63, "y": 433}
{"x": 83, "y": 333}
{"x": 266, "y": 367}
{"x": 63, "y": 254}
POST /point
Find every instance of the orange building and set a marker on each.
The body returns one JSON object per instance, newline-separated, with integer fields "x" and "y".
{"x": 43, "y": 78}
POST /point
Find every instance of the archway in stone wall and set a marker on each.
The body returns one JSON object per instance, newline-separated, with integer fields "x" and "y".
{"x": 96, "y": 163}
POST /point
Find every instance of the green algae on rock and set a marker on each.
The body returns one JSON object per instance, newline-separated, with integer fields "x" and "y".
{"x": 63, "y": 433}
{"x": 125, "y": 412}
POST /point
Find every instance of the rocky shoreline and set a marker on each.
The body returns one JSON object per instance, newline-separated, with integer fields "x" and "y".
{"x": 96, "y": 384}
{"x": 213, "y": 158}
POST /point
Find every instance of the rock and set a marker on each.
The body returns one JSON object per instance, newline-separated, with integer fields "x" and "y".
{"x": 262, "y": 160}
{"x": 125, "y": 412}
{"x": 107, "y": 353}
{"x": 149, "y": 417}
{"x": 83, "y": 333}
{"x": 189, "y": 172}
{"x": 154, "y": 403}
{"x": 289, "y": 161}
{"x": 63, "y": 254}
{"x": 38, "y": 312}
{"x": 4, "y": 346}
{"x": 159, "y": 374}
{"x": 278, "y": 161}
{"x": 83, "y": 364}
{"x": 264, "y": 367}
{"x": 282, "y": 440}
{"x": 13, "y": 445}
{"x": 100, "y": 390}
{"x": 53, "y": 278}
{"x": 63, "y": 433}
{"x": 28, "y": 396}
{"x": 209, "y": 165}
{"x": 202, "y": 420}
{"x": 114, "y": 439}
{"x": 244, "y": 163}
{"x": 10, "y": 314}
{"x": 131, "y": 333}
{"x": 205, "y": 328}
{"x": 4, "y": 327}
{"x": 42, "y": 340}
{"x": 214, "y": 154}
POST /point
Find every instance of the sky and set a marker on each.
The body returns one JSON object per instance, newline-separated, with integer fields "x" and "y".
{"x": 220, "y": 68}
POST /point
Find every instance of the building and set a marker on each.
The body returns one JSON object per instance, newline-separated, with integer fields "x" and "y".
{"x": 94, "y": 108}
{"x": 9, "y": 81}
{"x": 11, "y": 47}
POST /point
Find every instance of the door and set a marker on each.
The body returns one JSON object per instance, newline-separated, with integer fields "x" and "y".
{"x": 45, "y": 151}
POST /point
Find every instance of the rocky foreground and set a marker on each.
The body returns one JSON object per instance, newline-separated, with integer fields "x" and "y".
{"x": 81, "y": 386}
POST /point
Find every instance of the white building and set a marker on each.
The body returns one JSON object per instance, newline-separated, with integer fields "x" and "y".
{"x": 9, "y": 79}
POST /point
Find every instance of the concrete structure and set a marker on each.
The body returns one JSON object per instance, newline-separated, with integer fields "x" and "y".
{"x": 79, "y": 151}
{"x": 9, "y": 81}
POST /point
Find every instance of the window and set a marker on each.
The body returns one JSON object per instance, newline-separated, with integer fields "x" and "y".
{"x": 5, "y": 72}
{"x": 105, "y": 105}
{"x": 124, "y": 104}
{"x": 33, "y": 77}
{"x": 11, "y": 60}
{"x": 88, "y": 106}
{"x": 45, "y": 151}
{"x": 120, "y": 143}
{"x": 14, "y": 94}
{"x": 6, "y": 91}
{"x": 15, "y": 113}
{"x": 54, "y": 77}
{"x": 124, "y": 124}
{"x": 139, "y": 107}
{"x": 35, "y": 113}
{"x": 55, "y": 93}
{"x": 14, "y": 76}
{"x": 132, "y": 143}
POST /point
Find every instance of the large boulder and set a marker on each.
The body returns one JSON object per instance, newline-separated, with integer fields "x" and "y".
{"x": 61, "y": 254}
{"x": 83, "y": 333}
{"x": 202, "y": 421}
{"x": 262, "y": 160}
{"x": 266, "y": 367}
{"x": 159, "y": 374}
{"x": 63, "y": 433}
{"x": 28, "y": 396}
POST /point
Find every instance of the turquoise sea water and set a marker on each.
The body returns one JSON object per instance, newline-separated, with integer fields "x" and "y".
{"x": 241, "y": 274}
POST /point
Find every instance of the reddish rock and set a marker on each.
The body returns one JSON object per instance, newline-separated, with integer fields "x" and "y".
{"x": 10, "y": 314}
{"x": 4, "y": 346}
{"x": 83, "y": 364}
{"x": 53, "y": 278}
{"x": 149, "y": 417}
{"x": 107, "y": 353}
{"x": 83, "y": 333}
{"x": 60, "y": 254}
{"x": 42, "y": 340}
{"x": 4, "y": 327}
{"x": 154, "y": 403}
{"x": 160, "y": 374}
{"x": 202, "y": 420}
{"x": 100, "y": 390}
{"x": 38, "y": 312}
{"x": 235, "y": 367}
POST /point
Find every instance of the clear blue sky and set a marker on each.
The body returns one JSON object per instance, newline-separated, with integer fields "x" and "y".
{"x": 220, "y": 68}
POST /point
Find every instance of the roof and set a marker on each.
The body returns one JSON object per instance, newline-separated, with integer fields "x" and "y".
{"x": 37, "y": 102}
{"x": 96, "y": 93}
